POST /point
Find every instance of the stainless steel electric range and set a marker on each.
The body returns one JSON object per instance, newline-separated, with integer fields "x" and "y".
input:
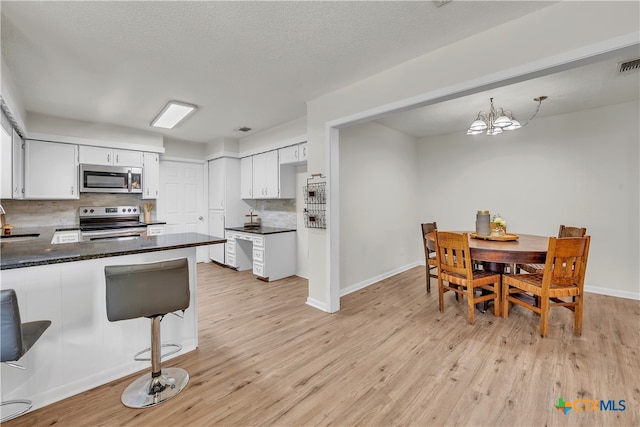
{"x": 111, "y": 222}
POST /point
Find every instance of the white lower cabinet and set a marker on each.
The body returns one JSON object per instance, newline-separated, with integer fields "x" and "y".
{"x": 270, "y": 256}
{"x": 216, "y": 228}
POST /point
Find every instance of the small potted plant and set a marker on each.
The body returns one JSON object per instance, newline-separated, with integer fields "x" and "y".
{"x": 498, "y": 226}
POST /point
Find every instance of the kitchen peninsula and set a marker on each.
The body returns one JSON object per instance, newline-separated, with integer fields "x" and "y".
{"x": 65, "y": 283}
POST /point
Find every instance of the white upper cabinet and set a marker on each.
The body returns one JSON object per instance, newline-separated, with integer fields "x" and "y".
{"x": 295, "y": 154}
{"x": 18, "y": 166}
{"x": 6, "y": 164}
{"x": 246, "y": 177}
{"x": 151, "y": 175}
{"x": 107, "y": 156}
{"x": 51, "y": 170}
{"x": 266, "y": 175}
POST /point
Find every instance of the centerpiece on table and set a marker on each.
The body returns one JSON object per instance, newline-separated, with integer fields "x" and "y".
{"x": 498, "y": 226}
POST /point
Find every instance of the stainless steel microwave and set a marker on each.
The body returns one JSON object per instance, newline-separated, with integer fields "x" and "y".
{"x": 110, "y": 179}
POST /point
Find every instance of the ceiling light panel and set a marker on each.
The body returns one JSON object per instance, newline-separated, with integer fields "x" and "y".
{"x": 172, "y": 114}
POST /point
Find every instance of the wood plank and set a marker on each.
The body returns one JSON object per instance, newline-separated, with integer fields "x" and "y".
{"x": 388, "y": 357}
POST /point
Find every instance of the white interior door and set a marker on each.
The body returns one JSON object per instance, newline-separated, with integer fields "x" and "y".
{"x": 181, "y": 203}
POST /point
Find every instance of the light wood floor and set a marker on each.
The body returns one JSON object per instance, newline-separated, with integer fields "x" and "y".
{"x": 389, "y": 357}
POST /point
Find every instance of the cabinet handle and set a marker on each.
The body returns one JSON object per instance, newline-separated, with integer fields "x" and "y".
{"x": 117, "y": 158}
{"x": 304, "y": 151}
{"x": 72, "y": 190}
{"x": 295, "y": 153}
{"x": 108, "y": 158}
{"x": 200, "y": 218}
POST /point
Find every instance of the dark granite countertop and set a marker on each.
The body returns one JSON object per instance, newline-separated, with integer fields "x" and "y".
{"x": 39, "y": 250}
{"x": 261, "y": 230}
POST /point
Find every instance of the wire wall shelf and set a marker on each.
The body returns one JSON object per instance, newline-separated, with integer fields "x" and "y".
{"x": 315, "y": 198}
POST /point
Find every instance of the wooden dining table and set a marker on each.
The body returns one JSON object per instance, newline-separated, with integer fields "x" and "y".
{"x": 496, "y": 255}
{"x": 528, "y": 249}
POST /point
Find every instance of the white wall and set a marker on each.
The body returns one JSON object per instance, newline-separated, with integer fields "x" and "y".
{"x": 578, "y": 169}
{"x": 11, "y": 96}
{"x": 555, "y": 35}
{"x": 174, "y": 148}
{"x": 286, "y": 134}
{"x": 378, "y": 203}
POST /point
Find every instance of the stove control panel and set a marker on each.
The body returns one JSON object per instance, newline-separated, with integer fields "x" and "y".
{"x": 108, "y": 211}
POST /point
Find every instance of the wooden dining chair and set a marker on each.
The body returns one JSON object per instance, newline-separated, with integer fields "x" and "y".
{"x": 564, "y": 231}
{"x": 456, "y": 268}
{"x": 563, "y": 277}
{"x": 429, "y": 252}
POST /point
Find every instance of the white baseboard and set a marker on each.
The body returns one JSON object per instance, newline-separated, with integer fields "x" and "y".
{"x": 375, "y": 279}
{"x": 612, "y": 292}
{"x": 71, "y": 389}
{"x": 317, "y": 304}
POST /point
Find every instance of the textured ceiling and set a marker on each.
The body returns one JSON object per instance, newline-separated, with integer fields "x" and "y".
{"x": 244, "y": 63}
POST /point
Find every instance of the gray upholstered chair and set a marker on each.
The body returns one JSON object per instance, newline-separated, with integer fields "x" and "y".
{"x": 16, "y": 339}
{"x": 149, "y": 290}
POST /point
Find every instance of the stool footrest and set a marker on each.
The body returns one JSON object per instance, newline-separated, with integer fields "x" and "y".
{"x": 176, "y": 349}
{"x": 28, "y": 404}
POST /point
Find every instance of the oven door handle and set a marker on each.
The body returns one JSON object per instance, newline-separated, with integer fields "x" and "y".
{"x": 129, "y": 175}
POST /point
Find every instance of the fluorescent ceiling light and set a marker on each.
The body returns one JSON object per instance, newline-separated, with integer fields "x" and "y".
{"x": 172, "y": 114}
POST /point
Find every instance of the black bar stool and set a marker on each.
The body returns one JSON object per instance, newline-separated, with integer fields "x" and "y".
{"x": 16, "y": 339}
{"x": 149, "y": 290}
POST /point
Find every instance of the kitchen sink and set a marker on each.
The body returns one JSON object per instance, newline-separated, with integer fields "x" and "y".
{"x": 18, "y": 237}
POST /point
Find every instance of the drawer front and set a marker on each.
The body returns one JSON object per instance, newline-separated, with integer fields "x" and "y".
{"x": 68, "y": 238}
{"x": 258, "y": 241}
{"x": 231, "y": 260}
{"x": 231, "y": 247}
{"x": 155, "y": 230}
{"x": 258, "y": 254}
{"x": 242, "y": 236}
{"x": 230, "y": 236}
{"x": 258, "y": 269}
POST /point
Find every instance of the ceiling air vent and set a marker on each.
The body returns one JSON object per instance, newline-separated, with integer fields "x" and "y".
{"x": 629, "y": 66}
{"x": 243, "y": 129}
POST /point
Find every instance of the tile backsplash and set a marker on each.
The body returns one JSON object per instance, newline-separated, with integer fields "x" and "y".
{"x": 274, "y": 213}
{"x": 43, "y": 213}
{"x": 39, "y": 213}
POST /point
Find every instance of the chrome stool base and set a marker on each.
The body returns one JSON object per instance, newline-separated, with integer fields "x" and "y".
{"x": 147, "y": 391}
{"x": 13, "y": 415}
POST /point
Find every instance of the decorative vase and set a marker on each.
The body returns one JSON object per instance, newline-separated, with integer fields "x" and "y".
{"x": 482, "y": 223}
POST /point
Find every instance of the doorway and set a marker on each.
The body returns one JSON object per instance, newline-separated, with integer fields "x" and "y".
{"x": 182, "y": 203}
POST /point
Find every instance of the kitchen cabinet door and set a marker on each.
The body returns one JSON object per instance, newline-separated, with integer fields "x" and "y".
{"x": 266, "y": 175}
{"x": 18, "y": 166}
{"x": 217, "y": 184}
{"x": 95, "y": 155}
{"x": 216, "y": 228}
{"x": 246, "y": 177}
{"x": 288, "y": 155}
{"x": 128, "y": 158}
{"x": 293, "y": 155}
{"x": 302, "y": 152}
{"x": 51, "y": 170}
{"x": 151, "y": 175}
{"x": 6, "y": 160}
{"x": 107, "y": 156}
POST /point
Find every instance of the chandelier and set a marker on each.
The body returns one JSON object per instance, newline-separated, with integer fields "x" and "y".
{"x": 498, "y": 120}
